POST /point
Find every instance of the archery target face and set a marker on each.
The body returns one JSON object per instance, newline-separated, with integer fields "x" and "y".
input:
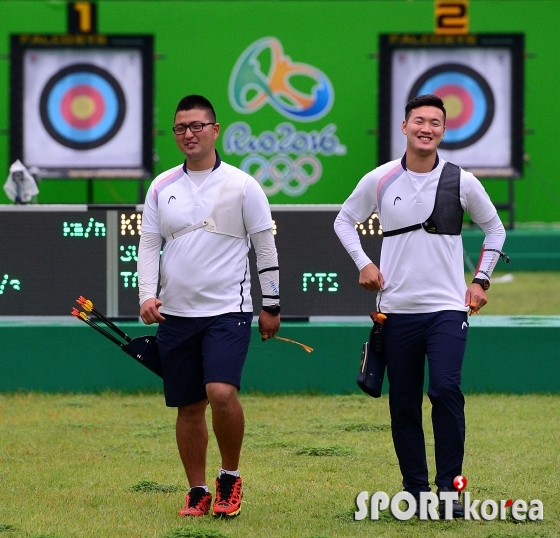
{"x": 82, "y": 106}
{"x": 475, "y": 86}
{"x": 82, "y": 109}
{"x": 468, "y": 101}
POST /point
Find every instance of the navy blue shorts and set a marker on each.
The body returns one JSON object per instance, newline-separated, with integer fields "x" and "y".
{"x": 197, "y": 351}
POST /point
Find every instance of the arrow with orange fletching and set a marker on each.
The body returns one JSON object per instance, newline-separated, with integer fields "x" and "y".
{"x": 87, "y": 305}
{"x": 83, "y": 316}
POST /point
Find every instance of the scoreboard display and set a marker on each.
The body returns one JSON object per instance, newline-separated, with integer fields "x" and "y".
{"x": 52, "y": 254}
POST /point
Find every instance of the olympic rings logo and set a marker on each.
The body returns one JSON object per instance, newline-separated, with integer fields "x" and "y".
{"x": 282, "y": 173}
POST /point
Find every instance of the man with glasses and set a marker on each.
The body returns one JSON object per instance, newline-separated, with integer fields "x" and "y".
{"x": 420, "y": 200}
{"x": 206, "y": 211}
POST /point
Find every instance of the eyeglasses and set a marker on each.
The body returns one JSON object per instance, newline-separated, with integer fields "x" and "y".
{"x": 195, "y": 127}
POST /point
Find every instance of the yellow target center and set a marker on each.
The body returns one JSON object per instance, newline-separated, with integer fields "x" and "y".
{"x": 83, "y": 107}
{"x": 453, "y": 106}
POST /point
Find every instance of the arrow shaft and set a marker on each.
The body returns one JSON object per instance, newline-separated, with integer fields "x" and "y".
{"x": 108, "y": 322}
{"x": 103, "y": 332}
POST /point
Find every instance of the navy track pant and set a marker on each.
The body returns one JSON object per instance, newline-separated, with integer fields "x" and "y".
{"x": 409, "y": 338}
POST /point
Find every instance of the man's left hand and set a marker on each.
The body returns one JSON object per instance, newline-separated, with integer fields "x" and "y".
{"x": 475, "y": 297}
{"x": 268, "y": 325}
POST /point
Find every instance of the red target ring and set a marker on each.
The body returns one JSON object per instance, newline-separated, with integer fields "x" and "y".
{"x": 458, "y": 104}
{"x": 82, "y": 107}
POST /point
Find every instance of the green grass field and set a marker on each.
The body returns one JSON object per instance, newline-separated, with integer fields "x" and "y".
{"x": 526, "y": 294}
{"x": 106, "y": 466}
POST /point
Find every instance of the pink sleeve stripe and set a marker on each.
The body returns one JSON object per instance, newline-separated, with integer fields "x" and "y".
{"x": 166, "y": 181}
{"x": 386, "y": 181}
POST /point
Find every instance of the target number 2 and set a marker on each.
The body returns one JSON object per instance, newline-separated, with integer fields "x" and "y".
{"x": 452, "y": 16}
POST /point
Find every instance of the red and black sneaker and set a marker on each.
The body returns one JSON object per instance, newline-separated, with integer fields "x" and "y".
{"x": 228, "y": 496}
{"x": 197, "y": 503}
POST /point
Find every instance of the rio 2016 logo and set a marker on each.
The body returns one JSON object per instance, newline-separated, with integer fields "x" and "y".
{"x": 284, "y": 158}
{"x": 250, "y": 88}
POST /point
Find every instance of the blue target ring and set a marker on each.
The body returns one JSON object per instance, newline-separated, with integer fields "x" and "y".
{"x": 82, "y": 106}
{"x": 470, "y": 96}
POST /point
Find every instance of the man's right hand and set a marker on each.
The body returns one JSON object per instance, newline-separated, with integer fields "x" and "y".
{"x": 371, "y": 278}
{"x": 149, "y": 311}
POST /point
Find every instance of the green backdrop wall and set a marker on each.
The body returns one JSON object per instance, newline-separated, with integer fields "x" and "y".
{"x": 515, "y": 354}
{"x": 199, "y": 42}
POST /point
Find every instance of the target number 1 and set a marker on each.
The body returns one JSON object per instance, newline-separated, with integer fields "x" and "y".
{"x": 82, "y": 18}
{"x": 452, "y": 16}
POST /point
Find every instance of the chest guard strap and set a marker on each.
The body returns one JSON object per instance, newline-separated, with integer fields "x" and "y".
{"x": 227, "y": 216}
{"x": 447, "y": 215}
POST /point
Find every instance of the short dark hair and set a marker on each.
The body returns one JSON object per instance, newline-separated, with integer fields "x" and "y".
{"x": 424, "y": 100}
{"x": 198, "y": 102}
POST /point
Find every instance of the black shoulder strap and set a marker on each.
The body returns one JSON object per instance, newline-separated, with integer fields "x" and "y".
{"x": 400, "y": 231}
{"x": 447, "y": 215}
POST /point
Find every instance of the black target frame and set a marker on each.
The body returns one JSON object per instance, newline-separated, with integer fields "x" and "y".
{"x": 390, "y": 44}
{"x": 21, "y": 44}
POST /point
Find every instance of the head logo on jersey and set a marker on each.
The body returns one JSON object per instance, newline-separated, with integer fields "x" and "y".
{"x": 468, "y": 100}
{"x": 82, "y": 106}
{"x": 263, "y": 74}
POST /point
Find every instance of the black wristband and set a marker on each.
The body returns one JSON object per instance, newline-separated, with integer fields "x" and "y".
{"x": 274, "y": 310}
{"x": 482, "y": 282}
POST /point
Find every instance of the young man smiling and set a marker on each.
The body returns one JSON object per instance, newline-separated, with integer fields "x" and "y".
{"x": 206, "y": 211}
{"x": 420, "y": 200}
